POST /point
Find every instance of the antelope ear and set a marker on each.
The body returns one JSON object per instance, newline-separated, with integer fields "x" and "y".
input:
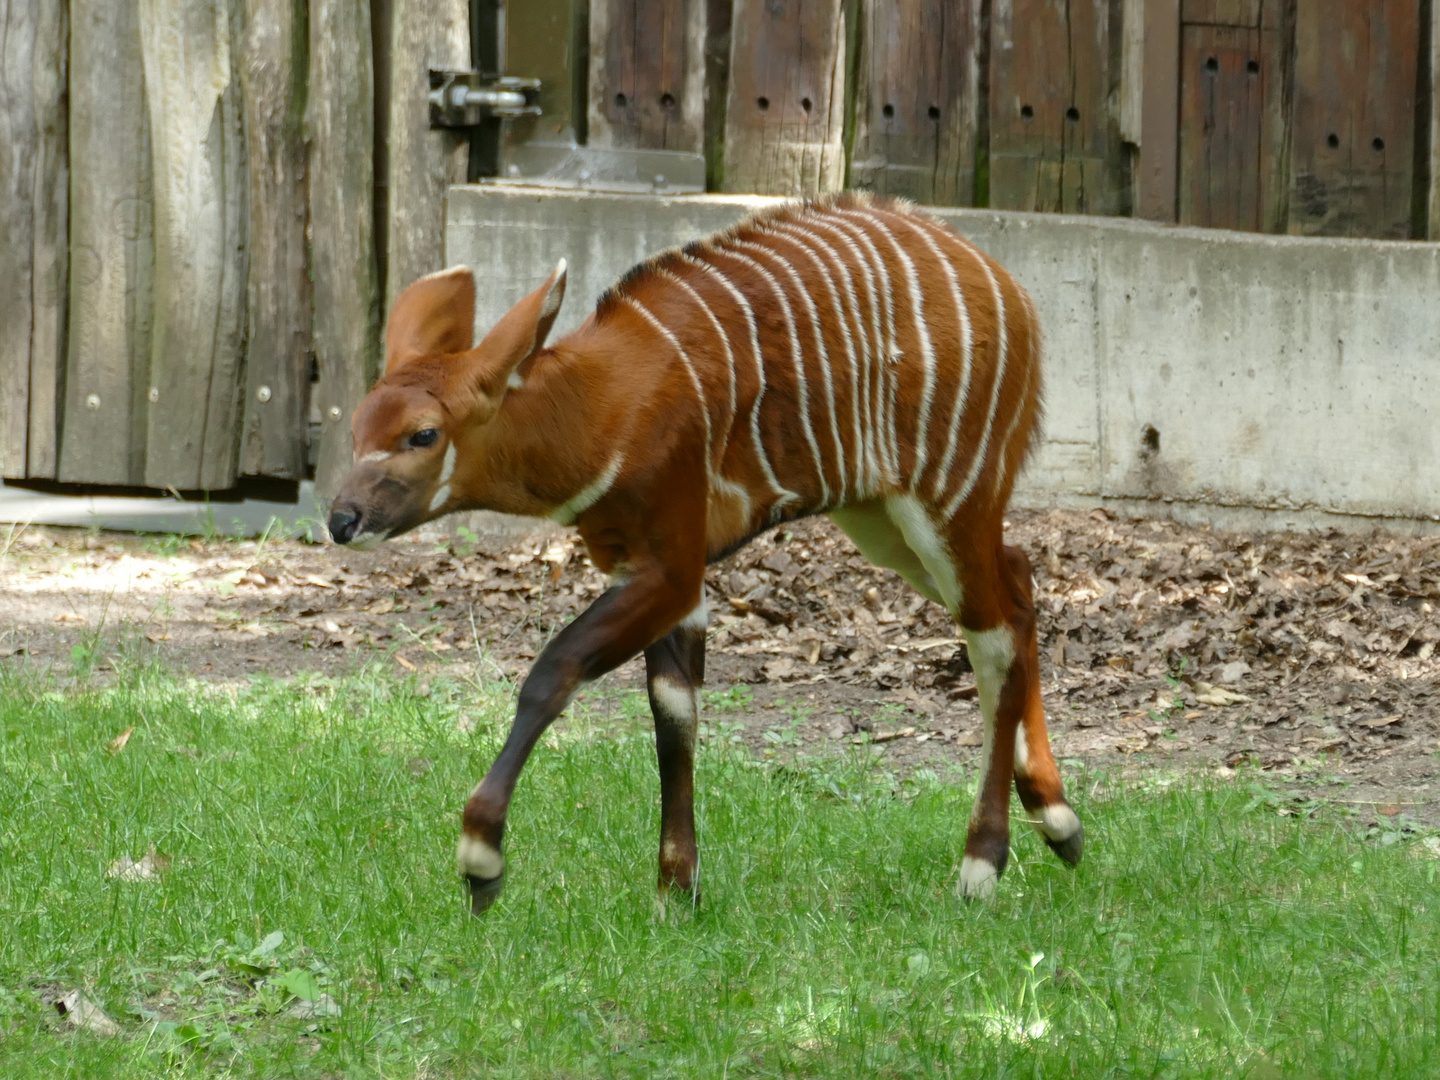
{"x": 520, "y": 332}
{"x": 433, "y": 315}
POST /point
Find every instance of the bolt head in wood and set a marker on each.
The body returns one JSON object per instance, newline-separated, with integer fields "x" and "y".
{"x": 334, "y": 412}
{"x": 153, "y": 395}
{"x": 262, "y": 395}
{"x": 92, "y": 402}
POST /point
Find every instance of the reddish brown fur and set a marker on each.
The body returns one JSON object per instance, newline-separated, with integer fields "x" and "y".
{"x": 652, "y": 405}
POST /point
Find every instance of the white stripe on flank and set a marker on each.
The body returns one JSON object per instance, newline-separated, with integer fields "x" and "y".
{"x": 921, "y": 229}
{"x": 843, "y": 315}
{"x": 447, "y": 469}
{"x": 889, "y": 349}
{"x": 967, "y": 350}
{"x": 1002, "y": 344}
{"x": 922, "y": 434}
{"x": 1031, "y": 376}
{"x": 873, "y": 346}
{"x": 589, "y": 495}
{"x": 822, "y": 358}
{"x": 783, "y": 495}
{"x": 717, "y": 450}
{"x": 664, "y": 331}
{"x": 374, "y": 455}
{"x": 796, "y": 357}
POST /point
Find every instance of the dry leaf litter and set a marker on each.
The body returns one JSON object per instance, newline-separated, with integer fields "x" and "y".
{"x": 1293, "y": 653}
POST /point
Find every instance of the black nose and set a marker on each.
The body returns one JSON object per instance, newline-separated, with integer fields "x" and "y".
{"x": 343, "y": 525}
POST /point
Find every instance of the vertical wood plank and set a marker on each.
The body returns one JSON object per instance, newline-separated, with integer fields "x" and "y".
{"x": 33, "y": 257}
{"x": 1354, "y": 127}
{"x": 1132, "y": 70}
{"x": 1054, "y": 144}
{"x": 422, "y": 162}
{"x": 111, "y": 249}
{"x": 340, "y": 132}
{"x": 647, "y": 74}
{"x": 917, "y": 100}
{"x": 1230, "y": 127}
{"x": 785, "y": 117}
{"x": 197, "y": 145}
{"x": 277, "y": 365}
{"x": 51, "y": 262}
{"x": 1159, "y": 122}
{"x": 1433, "y": 195}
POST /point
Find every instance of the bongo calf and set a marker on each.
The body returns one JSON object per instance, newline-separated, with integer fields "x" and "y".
{"x": 845, "y": 356}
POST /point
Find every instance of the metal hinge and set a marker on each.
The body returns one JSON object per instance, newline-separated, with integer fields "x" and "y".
{"x": 461, "y": 99}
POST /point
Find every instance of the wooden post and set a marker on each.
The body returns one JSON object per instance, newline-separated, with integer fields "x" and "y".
{"x": 33, "y": 211}
{"x": 277, "y": 367}
{"x": 200, "y": 271}
{"x": 340, "y": 131}
{"x": 1160, "y": 118}
{"x": 422, "y": 163}
{"x": 1054, "y": 135}
{"x": 1354, "y": 127}
{"x": 111, "y": 248}
{"x": 916, "y": 110}
{"x": 785, "y": 119}
{"x": 647, "y": 74}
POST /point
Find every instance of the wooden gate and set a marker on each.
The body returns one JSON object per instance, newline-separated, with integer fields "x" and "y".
{"x": 208, "y": 205}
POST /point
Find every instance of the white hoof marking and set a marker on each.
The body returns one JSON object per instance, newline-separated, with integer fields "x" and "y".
{"x": 478, "y": 859}
{"x": 978, "y": 878}
{"x": 1057, "y": 823}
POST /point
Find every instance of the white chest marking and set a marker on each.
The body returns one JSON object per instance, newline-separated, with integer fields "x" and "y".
{"x": 567, "y": 512}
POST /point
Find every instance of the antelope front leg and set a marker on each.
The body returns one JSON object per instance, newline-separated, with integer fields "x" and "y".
{"x": 622, "y": 622}
{"x": 674, "y": 670}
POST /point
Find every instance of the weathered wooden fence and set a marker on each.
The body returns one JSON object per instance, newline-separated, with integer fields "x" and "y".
{"x": 208, "y": 205}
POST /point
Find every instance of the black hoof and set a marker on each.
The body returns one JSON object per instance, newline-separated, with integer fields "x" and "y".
{"x": 484, "y": 892}
{"x": 1071, "y": 848}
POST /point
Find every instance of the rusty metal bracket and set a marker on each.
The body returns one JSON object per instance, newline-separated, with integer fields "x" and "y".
{"x": 466, "y": 99}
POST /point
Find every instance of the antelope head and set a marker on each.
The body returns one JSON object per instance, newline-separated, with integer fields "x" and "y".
{"x": 438, "y": 393}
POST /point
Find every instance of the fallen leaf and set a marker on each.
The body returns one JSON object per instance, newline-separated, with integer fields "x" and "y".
{"x": 150, "y": 867}
{"x": 69, "y": 617}
{"x": 1207, "y": 694}
{"x": 322, "y": 1007}
{"x": 970, "y": 738}
{"x": 891, "y": 736}
{"x": 84, "y": 1014}
{"x": 1381, "y": 721}
{"x": 318, "y": 582}
{"x": 117, "y": 744}
{"x": 406, "y": 664}
{"x": 155, "y": 639}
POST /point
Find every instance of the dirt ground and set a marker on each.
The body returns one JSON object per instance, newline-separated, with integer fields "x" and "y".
{"x": 1312, "y": 658}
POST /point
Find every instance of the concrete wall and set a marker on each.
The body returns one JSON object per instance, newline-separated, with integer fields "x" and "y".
{"x": 1290, "y": 382}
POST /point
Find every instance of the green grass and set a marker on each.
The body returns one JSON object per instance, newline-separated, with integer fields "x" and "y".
{"x": 1204, "y": 936}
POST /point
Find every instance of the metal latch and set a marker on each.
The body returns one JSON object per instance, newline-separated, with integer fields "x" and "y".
{"x": 460, "y": 99}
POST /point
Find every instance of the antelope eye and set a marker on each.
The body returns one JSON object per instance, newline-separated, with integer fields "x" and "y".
{"x": 424, "y": 438}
